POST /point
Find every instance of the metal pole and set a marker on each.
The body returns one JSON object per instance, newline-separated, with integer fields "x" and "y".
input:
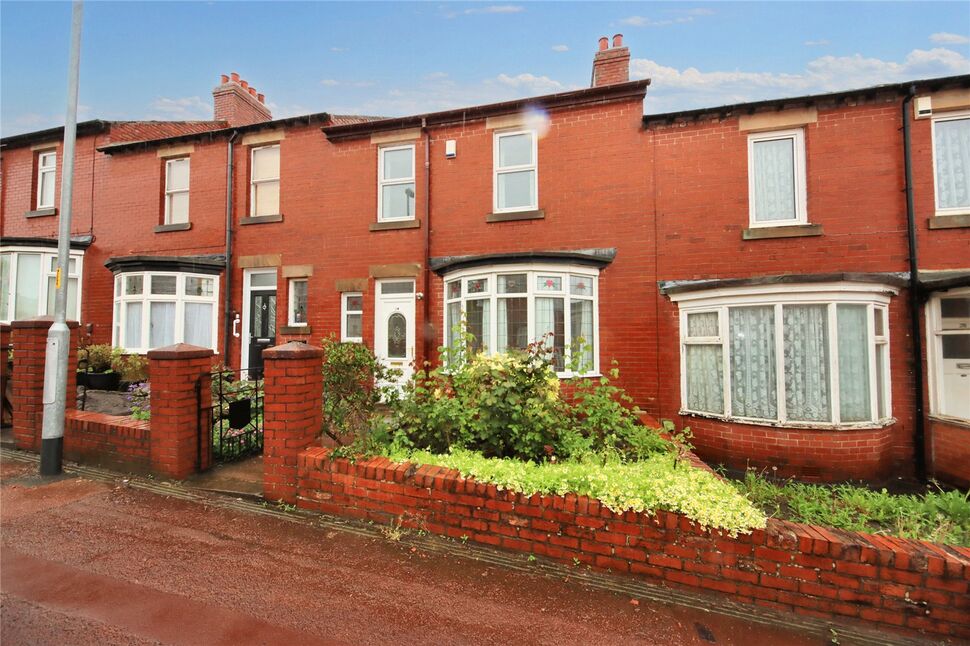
{"x": 59, "y": 336}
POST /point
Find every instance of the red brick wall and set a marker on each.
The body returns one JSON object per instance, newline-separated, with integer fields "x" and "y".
{"x": 107, "y": 441}
{"x": 790, "y": 567}
{"x": 948, "y": 456}
{"x": 237, "y": 106}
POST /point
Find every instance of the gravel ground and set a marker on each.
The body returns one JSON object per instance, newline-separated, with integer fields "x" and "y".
{"x": 95, "y": 563}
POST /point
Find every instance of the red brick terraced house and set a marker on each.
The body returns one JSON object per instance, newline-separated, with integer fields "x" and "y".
{"x": 748, "y": 266}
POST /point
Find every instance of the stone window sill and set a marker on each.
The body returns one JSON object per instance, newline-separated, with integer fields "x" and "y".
{"x": 394, "y": 225}
{"x": 295, "y": 329}
{"x": 165, "y": 228}
{"x": 261, "y": 219}
{"x": 515, "y": 216}
{"x": 949, "y": 221}
{"x": 790, "y": 231}
{"x": 805, "y": 426}
{"x": 40, "y": 213}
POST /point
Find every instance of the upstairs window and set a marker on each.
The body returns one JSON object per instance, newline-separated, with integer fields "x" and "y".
{"x": 395, "y": 191}
{"x": 776, "y": 178}
{"x": 799, "y": 358}
{"x": 46, "y": 175}
{"x": 516, "y": 176}
{"x": 951, "y": 162}
{"x": 264, "y": 196}
{"x": 177, "y": 191}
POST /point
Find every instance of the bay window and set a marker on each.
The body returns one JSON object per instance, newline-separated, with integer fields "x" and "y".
{"x": 509, "y": 307}
{"x": 804, "y": 356}
{"x": 28, "y": 279}
{"x": 156, "y": 309}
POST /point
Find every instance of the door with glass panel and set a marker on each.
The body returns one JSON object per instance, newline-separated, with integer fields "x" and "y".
{"x": 259, "y": 317}
{"x": 394, "y": 327}
{"x": 955, "y": 354}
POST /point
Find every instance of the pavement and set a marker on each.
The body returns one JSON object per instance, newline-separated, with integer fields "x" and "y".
{"x": 102, "y": 561}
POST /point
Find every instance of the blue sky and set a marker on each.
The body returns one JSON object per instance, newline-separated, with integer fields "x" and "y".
{"x": 160, "y": 60}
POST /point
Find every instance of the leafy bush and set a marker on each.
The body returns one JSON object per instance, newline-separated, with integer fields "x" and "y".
{"x": 100, "y": 357}
{"x": 938, "y": 516}
{"x": 354, "y": 387}
{"x": 133, "y": 367}
{"x": 656, "y": 482}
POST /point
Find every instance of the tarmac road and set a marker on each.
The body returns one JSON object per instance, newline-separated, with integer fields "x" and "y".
{"x": 87, "y": 562}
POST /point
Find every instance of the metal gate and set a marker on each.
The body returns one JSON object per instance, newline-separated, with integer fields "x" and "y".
{"x": 230, "y": 428}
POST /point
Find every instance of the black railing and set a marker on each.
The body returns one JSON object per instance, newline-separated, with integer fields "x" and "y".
{"x": 233, "y": 423}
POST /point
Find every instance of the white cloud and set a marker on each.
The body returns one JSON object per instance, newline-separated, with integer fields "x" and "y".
{"x": 336, "y": 83}
{"x": 330, "y": 82}
{"x": 680, "y": 89}
{"x": 531, "y": 84}
{"x": 188, "y": 108}
{"x": 946, "y": 38}
{"x": 339, "y": 49}
{"x": 679, "y": 17}
{"x": 495, "y": 8}
{"x": 560, "y": 48}
{"x": 816, "y": 43}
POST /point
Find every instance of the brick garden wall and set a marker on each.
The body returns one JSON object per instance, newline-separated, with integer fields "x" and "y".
{"x": 107, "y": 441}
{"x": 790, "y": 567}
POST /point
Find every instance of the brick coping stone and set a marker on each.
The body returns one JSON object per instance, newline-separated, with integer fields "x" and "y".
{"x": 788, "y": 566}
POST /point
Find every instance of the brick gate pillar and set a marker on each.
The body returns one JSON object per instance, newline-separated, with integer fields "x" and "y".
{"x": 292, "y": 413}
{"x": 29, "y": 340}
{"x": 177, "y": 434}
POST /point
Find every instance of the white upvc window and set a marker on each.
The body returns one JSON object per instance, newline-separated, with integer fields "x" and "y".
{"x": 28, "y": 279}
{"x": 508, "y": 307}
{"x": 951, "y": 163}
{"x": 395, "y": 183}
{"x": 516, "y": 181}
{"x": 297, "y": 309}
{"x": 776, "y": 178}
{"x": 46, "y": 177}
{"x": 793, "y": 355}
{"x": 177, "y": 191}
{"x": 352, "y": 317}
{"x": 158, "y": 308}
{"x": 948, "y": 333}
{"x": 264, "y": 195}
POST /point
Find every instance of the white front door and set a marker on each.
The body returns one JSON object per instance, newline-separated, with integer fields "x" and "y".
{"x": 955, "y": 341}
{"x": 394, "y": 326}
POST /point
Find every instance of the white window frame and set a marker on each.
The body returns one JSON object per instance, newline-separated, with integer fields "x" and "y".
{"x": 532, "y": 270}
{"x": 46, "y": 256}
{"x": 934, "y": 351}
{"x": 253, "y": 182}
{"x": 497, "y": 169}
{"x": 344, "y": 311}
{"x": 797, "y": 135}
{"x": 180, "y": 298}
{"x": 381, "y": 182}
{"x": 946, "y": 116}
{"x": 873, "y": 296}
{"x": 42, "y": 170}
{"x": 169, "y": 192}
{"x": 291, "y": 302}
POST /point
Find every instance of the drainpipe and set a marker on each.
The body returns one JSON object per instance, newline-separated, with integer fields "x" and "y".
{"x": 426, "y": 301}
{"x": 919, "y": 447}
{"x": 227, "y": 306}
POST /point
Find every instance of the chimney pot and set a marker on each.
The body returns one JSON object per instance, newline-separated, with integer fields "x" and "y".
{"x": 223, "y": 79}
{"x": 252, "y": 91}
{"x": 235, "y": 77}
{"x": 244, "y": 84}
{"x": 618, "y": 40}
{"x": 261, "y": 98}
{"x": 604, "y": 43}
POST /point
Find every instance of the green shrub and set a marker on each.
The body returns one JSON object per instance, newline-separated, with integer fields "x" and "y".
{"x": 133, "y": 367}
{"x": 354, "y": 387}
{"x": 99, "y": 357}
{"x": 654, "y": 483}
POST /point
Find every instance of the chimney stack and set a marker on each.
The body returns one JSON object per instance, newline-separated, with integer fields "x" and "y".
{"x": 611, "y": 64}
{"x": 238, "y": 103}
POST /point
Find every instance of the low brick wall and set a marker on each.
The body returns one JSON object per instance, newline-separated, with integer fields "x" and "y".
{"x": 810, "y": 570}
{"x": 107, "y": 441}
{"x": 949, "y": 451}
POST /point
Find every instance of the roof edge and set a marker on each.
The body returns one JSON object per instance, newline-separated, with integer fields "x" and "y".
{"x": 84, "y": 128}
{"x": 893, "y": 279}
{"x": 595, "y": 257}
{"x": 208, "y": 264}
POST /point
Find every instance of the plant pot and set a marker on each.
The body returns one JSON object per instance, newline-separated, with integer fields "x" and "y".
{"x": 240, "y": 413}
{"x": 82, "y": 379}
{"x": 103, "y": 380}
